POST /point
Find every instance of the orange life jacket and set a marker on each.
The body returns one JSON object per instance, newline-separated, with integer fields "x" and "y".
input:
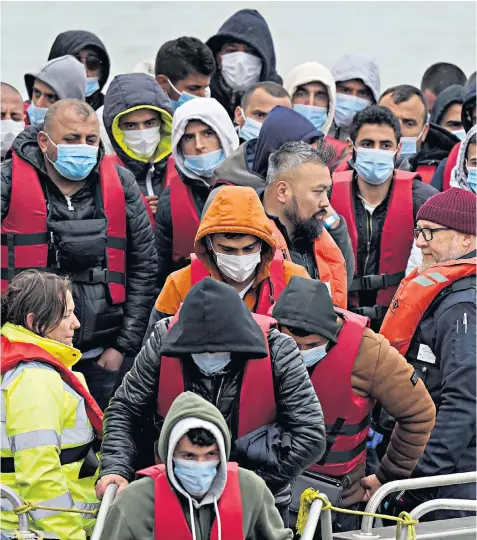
{"x": 169, "y": 520}
{"x": 415, "y": 295}
{"x": 329, "y": 261}
{"x": 347, "y": 415}
{"x": 269, "y": 290}
{"x": 450, "y": 164}
{"x": 257, "y": 395}
{"x": 397, "y": 237}
{"x": 25, "y": 234}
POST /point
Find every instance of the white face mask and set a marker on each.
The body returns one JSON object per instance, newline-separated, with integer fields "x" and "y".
{"x": 143, "y": 142}
{"x": 238, "y": 267}
{"x": 240, "y": 70}
{"x": 9, "y": 129}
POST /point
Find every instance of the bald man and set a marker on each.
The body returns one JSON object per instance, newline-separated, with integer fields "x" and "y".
{"x": 97, "y": 230}
{"x": 12, "y": 122}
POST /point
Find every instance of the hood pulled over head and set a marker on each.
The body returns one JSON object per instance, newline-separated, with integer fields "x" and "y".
{"x": 358, "y": 66}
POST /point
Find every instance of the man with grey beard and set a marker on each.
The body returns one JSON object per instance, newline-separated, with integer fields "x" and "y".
{"x": 441, "y": 343}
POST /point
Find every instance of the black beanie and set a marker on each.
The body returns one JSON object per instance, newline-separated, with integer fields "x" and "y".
{"x": 306, "y": 304}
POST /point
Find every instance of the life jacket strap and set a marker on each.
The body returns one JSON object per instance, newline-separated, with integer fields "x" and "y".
{"x": 372, "y": 282}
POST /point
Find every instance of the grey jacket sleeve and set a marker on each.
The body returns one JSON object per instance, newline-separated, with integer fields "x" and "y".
{"x": 298, "y": 413}
{"x": 341, "y": 237}
{"x": 6, "y": 186}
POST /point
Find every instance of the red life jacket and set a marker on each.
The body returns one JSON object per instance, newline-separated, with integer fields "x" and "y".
{"x": 25, "y": 233}
{"x": 169, "y": 519}
{"x": 257, "y": 396}
{"x": 415, "y": 295}
{"x": 450, "y": 164}
{"x": 426, "y": 172}
{"x": 346, "y": 414}
{"x": 341, "y": 150}
{"x": 185, "y": 217}
{"x": 116, "y": 161}
{"x": 14, "y": 353}
{"x": 397, "y": 237}
{"x": 270, "y": 289}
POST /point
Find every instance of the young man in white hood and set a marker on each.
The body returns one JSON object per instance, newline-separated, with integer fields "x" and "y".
{"x": 202, "y": 137}
{"x": 198, "y": 494}
{"x": 313, "y": 91}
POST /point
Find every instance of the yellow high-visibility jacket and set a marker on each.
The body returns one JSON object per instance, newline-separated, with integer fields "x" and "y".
{"x": 41, "y": 416}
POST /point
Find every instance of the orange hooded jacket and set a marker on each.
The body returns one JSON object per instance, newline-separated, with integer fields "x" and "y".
{"x": 234, "y": 210}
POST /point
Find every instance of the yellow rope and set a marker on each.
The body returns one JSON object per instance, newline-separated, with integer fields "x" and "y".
{"x": 19, "y": 535}
{"x": 29, "y": 507}
{"x": 310, "y": 495}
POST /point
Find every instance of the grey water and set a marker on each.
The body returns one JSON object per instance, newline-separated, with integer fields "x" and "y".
{"x": 405, "y": 37}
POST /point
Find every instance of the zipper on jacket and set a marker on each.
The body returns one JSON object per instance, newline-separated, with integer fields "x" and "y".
{"x": 369, "y": 236}
{"x": 68, "y": 202}
{"x": 218, "y": 393}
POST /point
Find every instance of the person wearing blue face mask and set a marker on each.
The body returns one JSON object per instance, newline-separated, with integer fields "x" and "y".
{"x": 82, "y": 206}
{"x": 183, "y": 68}
{"x": 197, "y": 493}
{"x": 202, "y": 137}
{"x": 423, "y": 144}
{"x": 351, "y": 368}
{"x": 379, "y": 204}
{"x": 464, "y": 174}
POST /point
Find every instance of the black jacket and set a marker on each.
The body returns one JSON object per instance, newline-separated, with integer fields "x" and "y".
{"x": 451, "y": 381}
{"x": 214, "y": 318}
{"x": 125, "y": 92}
{"x": 246, "y": 26}
{"x": 71, "y": 42}
{"x": 369, "y": 230}
{"x": 163, "y": 230}
{"x": 102, "y": 324}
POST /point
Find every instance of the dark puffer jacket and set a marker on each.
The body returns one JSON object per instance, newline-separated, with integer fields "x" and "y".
{"x": 245, "y": 26}
{"x": 71, "y": 42}
{"x": 214, "y": 318}
{"x": 102, "y": 324}
{"x": 124, "y": 93}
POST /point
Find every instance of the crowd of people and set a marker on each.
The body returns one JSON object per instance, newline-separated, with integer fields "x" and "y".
{"x": 221, "y": 287}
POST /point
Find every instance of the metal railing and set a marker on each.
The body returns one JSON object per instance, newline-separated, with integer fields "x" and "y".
{"x": 312, "y": 521}
{"x": 444, "y": 504}
{"x": 16, "y": 500}
{"x": 107, "y": 501}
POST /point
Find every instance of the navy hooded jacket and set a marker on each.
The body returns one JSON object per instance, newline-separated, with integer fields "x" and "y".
{"x": 451, "y": 95}
{"x": 72, "y": 42}
{"x": 245, "y": 26}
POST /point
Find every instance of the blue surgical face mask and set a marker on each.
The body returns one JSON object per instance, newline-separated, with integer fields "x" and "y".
{"x": 204, "y": 164}
{"x": 314, "y": 355}
{"x": 316, "y": 115}
{"x": 472, "y": 178}
{"x": 460, "y": 134}
{"x": 196, "y": 477}
{"x": 374, "y": 165}
{"x": 409, "y": 145}
{"x": 184, "y": 97}
{"x": 250, "y": 130}
{"x": 92, "y": 85}
{"x": 211, "y": 363}
{"x": 36, "y": 114}
{"x": 347, "y": 107}
{"x": 74, "y": 161}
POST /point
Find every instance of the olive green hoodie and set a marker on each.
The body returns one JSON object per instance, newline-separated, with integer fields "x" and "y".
{"x": 131, "y": 516}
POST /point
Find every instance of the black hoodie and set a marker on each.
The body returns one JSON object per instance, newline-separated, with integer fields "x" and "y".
{"x": 451, "y": 95}
{"x": 214, "y": 318}
{"x": 245, "y": 26}
{"x": 72, "y": 42}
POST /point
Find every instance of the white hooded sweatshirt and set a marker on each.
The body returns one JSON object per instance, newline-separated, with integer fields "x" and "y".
{"x": 314, "y": 72}
{"x": 210, "y": 112}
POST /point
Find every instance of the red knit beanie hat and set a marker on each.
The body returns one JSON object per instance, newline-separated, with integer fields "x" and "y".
{"x": 454, "y": 208}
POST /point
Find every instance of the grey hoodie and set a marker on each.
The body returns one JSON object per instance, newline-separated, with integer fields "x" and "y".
{"x": 131, "y": 516}
{"x": 65, "y": 75}
{"x": 459, "y": 172}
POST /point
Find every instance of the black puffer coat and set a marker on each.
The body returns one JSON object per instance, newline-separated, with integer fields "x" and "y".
{"x": 71, "y": 42}
{"x": 214, "y": 318}
{"x": 102, "y": 324}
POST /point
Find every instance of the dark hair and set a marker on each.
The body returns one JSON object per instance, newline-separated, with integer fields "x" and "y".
{"x": 272, "y": 88}
{"x": 470, "y": 81}
{"x": 181, "y": 57}
{"x": 201, "y": 437}
{"x": 81, "y": 108}
{"x": 375, "y": 114}
{"x": 10, "y": 87}
{"x": 41, "y": 293}
{"x": 403, "y": 93}
{"x": 441, "y": 75}
{"x": 473, "y": 140}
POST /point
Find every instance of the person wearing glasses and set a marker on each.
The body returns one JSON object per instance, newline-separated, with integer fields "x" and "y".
{"x": 91, "y": 52}
{"x": 379, "y": 204}
{"x": 61, "y": 78}
{"x": 431, "y": 321}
